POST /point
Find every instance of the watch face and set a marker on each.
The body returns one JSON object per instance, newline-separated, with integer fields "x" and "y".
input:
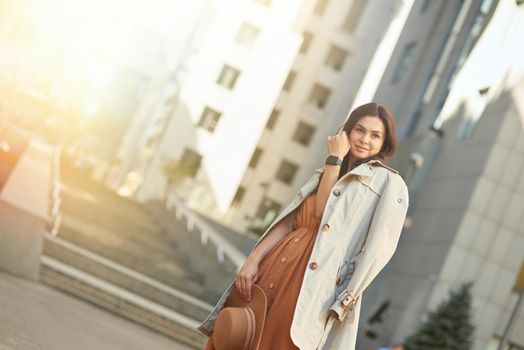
{"x": 333, "y": 160}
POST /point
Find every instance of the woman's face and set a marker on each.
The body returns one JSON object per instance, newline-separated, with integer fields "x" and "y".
{"x": 367, "y": 137}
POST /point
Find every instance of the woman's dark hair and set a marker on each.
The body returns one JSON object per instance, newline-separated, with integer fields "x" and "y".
{"x": 373, "y": 110}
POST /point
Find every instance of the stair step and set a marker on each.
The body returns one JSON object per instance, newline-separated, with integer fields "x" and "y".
{"x": 126, "y": 278}
{"x": 141, "y": 254}
{"x": 120, "y": 301}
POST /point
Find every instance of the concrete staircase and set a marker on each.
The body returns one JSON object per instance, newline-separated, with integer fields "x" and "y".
{"x": 112, "y": 286}
{"x": 114, "y": 253}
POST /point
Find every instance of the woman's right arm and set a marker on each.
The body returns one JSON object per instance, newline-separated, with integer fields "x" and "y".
{"x": 248, "y": 274}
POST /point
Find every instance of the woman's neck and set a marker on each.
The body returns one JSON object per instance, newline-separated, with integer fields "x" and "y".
{"x": 351, "y": 162}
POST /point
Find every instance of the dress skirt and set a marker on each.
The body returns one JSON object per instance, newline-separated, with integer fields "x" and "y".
{"x": 280, "y": 276}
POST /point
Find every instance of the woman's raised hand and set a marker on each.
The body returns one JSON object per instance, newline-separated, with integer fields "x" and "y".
{"x": 338, "y": 145}
{"x": 246, "y": 277}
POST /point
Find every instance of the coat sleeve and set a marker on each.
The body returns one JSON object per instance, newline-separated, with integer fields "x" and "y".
{"x": 381, "y": 242}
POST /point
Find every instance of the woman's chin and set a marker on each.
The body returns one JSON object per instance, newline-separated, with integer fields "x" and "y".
{"x": 359, "y": 155}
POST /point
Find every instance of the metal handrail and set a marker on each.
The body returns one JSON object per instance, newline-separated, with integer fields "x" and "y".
{"x": 56, "y": 199}
{"x": 207, "y": 233}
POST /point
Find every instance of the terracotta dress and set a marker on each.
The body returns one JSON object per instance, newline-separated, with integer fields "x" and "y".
{"x": 280, "y": 276}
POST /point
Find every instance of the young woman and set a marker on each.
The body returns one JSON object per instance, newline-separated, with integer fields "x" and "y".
{"x": 323, "y": 250}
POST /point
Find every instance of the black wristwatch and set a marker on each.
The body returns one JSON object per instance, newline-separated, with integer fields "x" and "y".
{"x": 333, "y": 160}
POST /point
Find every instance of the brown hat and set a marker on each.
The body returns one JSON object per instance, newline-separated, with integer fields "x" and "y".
{"x": 239, "y": 324}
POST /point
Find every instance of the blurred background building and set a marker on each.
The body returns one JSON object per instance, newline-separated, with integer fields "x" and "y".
{"x": 238, "y": 55}
{"x": 295, "y": 87}
{"x": 455, "y": 84}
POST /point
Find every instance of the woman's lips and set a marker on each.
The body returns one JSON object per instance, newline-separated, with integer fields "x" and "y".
{"x": 360, "y": 149}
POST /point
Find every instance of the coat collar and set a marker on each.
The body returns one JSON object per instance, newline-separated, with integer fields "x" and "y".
{"x": 365, "y": 169}
{"x": 377, "y": 162}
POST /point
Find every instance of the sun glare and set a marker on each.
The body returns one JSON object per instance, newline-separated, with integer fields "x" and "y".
{"x": 76, "y": 53}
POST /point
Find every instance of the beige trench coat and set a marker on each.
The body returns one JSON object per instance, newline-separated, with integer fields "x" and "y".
{"x": 358, "y": 234}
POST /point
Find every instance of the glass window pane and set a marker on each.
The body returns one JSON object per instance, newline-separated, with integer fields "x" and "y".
{"x": 289, "y": 81}
{"x": 320, "y": 7}
{"x": 354, "y": 14}
{"x": 336, "y": 57}
{"x": 247, "y": 35}
{"x": 306, "y": 42}
{"x": 255, "y": 158}
{"x": 191, "y": 160}
{"x": 272, "y": 119}
{"x": 319, "y": 96}
{"x": 238, "y": 195}
{"x": 209, "y": 119}
{"x": 287, "y": 171}
{"x": 404, "y": 62}
{"x": 304, "y": 133}
{"x": 267, "y": 208}
{"x": 228, "y": 76}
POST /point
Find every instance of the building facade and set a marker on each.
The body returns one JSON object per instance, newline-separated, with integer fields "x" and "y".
{"x": 237, "y": 58}
{"x": 456, "y": 88}
{"x": 339, "y": 41}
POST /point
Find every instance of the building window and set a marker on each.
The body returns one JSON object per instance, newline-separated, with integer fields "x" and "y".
{"x": 268, "y": 209}
{"x": 319, "y": 96}
{"x": 470, "y": 116}
{"x": 289, "y": 81}
{"x": 404, "y": 62}
{"x": 272, "y": 119}
{"x": 255, "y": 158}
{"x": 238, "y": 195}
{"x": 320, "y": 7}
{"x": 467, "y": 126}
{"x": 479, "y": 23}
{"x": 191, "y": 160}
{"x": 303, "y": 133}
{"x": 209, "y": 119}
{"x": 247, "y": 35}
{"x": 265, "y": 2}
{"x": 287, "y": 171}
{"x": 228, "y": 77}
{"x": 336, "y": 57}
{"x": 306, "y": 42}
{"x": 354, "y": 15}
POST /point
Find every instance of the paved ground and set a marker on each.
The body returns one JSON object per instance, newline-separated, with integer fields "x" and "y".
{"x": 34, "y": 316}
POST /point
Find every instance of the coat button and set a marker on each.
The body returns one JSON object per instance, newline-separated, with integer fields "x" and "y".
{"x": 399, "y": 200}
{"x": 325, "y": 228}
{"x": 271, "y": 285}
{"x": 283, "y": 260}
{"x": 336, "y": 192}
{"x": 296, "y": 240}
{"x": 313, "y": 266}
{"x": 338, "y": 281}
